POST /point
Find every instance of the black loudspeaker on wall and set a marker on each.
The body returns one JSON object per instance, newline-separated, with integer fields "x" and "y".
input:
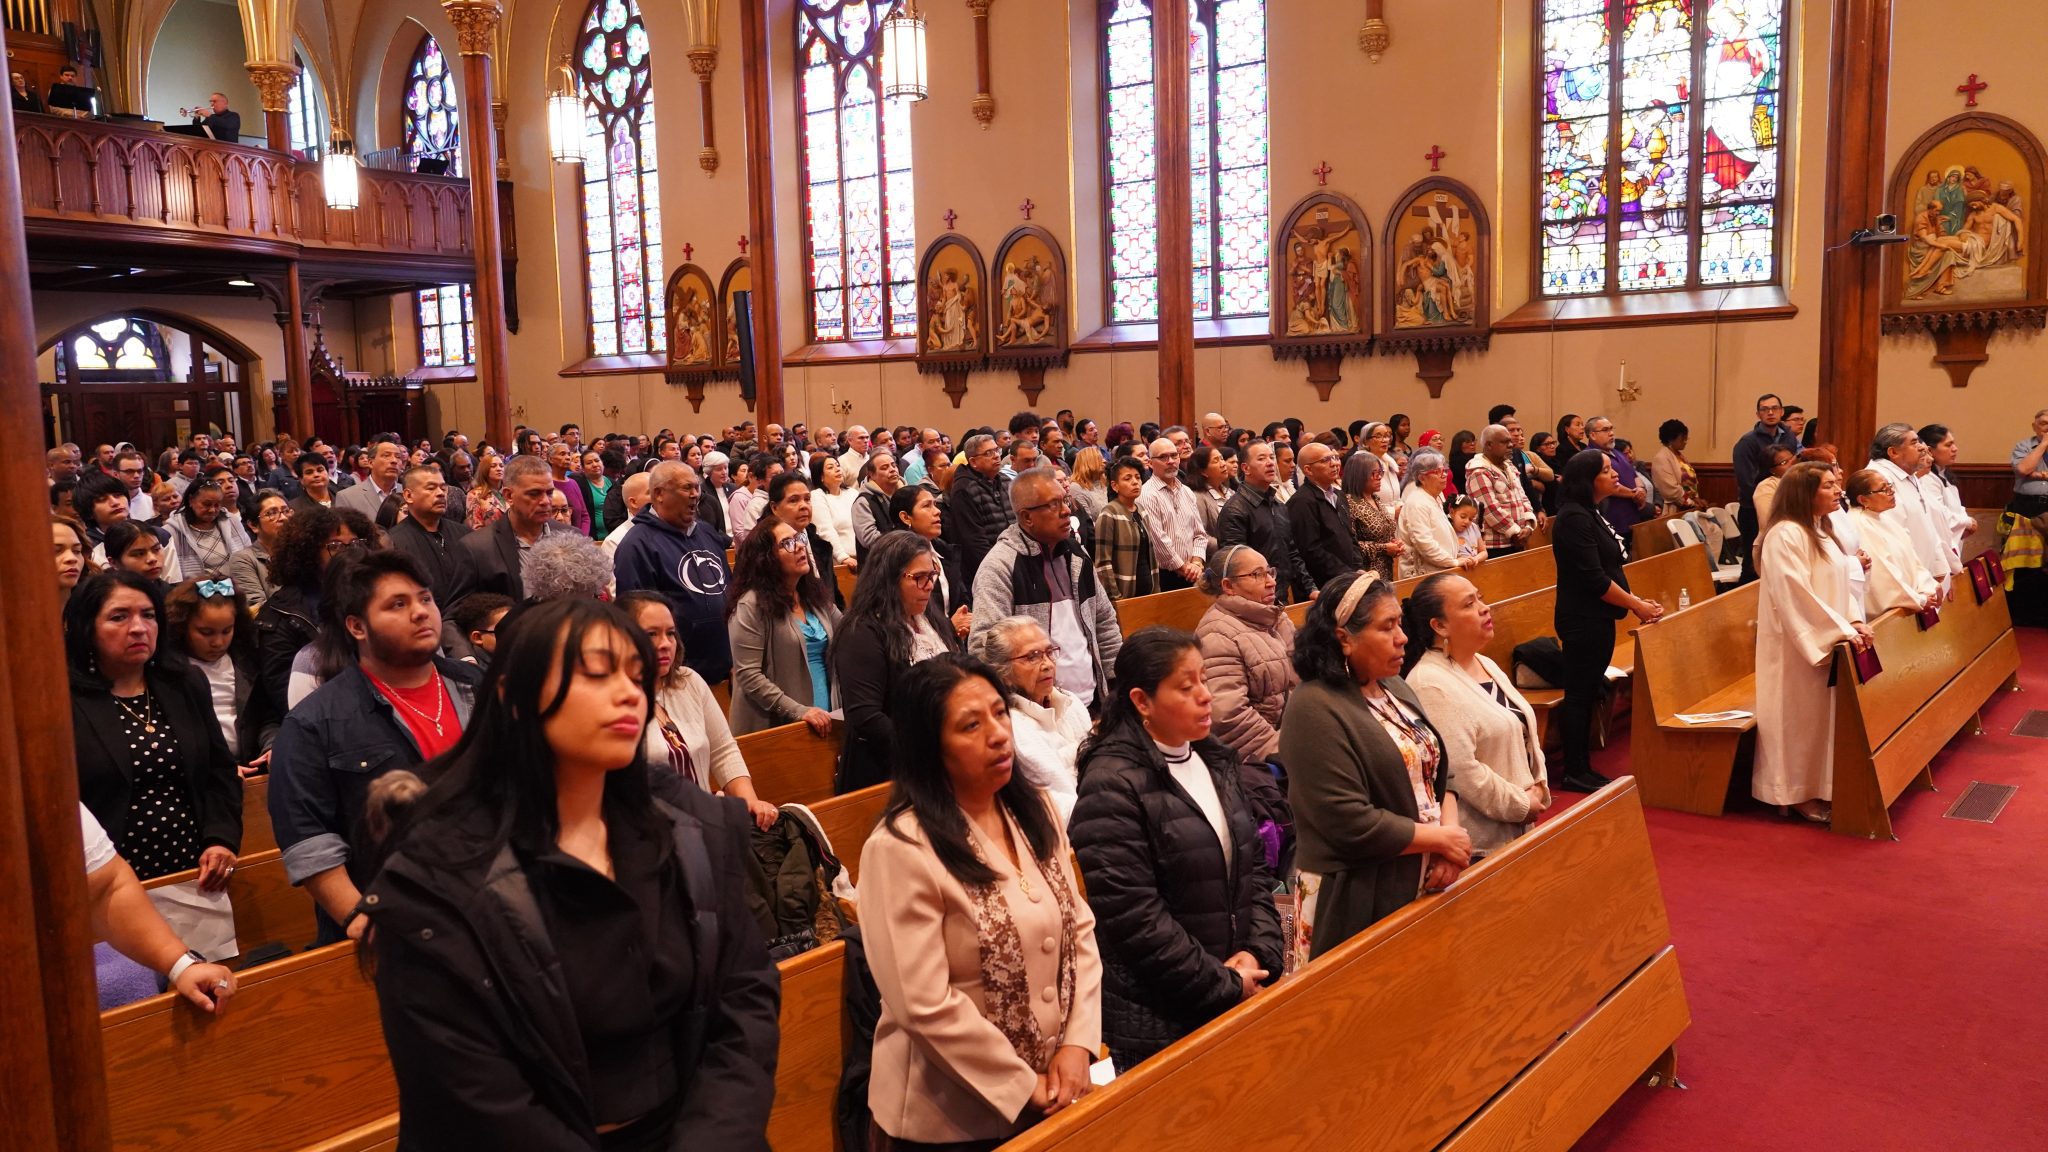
{"x": 743, "y": 320}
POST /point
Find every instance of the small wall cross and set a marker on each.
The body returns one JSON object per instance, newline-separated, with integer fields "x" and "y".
{"x": 743, "y": 245}
{"x": 1322, "y": 172}
{"x": 950, "y": 217}
{"x": 1970, "y": 88}
{"x": 1026, "y": 207}
{"x": 1434, "y": 155}
{"x": 687, "y": 251}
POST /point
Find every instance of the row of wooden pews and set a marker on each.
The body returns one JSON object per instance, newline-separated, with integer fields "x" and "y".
{"x": 1886, "y": 731}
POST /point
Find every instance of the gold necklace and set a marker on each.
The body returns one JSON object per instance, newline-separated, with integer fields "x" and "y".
{"x": 1017, "y": 865}
{"x": 148, "y": 717}
{"x": 440, "y": 703}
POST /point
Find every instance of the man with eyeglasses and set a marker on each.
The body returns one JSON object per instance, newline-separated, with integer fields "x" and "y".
{"x": 131, "y": 471}
{"x": 1037, "y": 569}
{"x": 978, "y": 509}
{"x": 1752, "y": 464}
{"x": 1174, "y": 518}
{"x": 674, "y": 553}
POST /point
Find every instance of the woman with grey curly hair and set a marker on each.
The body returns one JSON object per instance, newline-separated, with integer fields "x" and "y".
{"x": 1430, "y": 543}
{"x": 565, "y": 564}
{"x": 1047, "y": 722}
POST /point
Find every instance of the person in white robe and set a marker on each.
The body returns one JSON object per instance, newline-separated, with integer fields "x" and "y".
{"x": 1943, "y": 497}
{"x": 1897, "y": 579}
{"x": 1895, "y": 454}
{"x": 1805, "y": 611}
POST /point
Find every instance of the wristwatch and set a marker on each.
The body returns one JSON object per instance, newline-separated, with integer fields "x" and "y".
{"x": 183, "y": 962}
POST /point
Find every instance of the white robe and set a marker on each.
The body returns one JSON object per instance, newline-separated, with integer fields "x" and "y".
{"x": 1897, "y": 578}
{"x": 1945, "y": 502}
{"x": 1804, "y": 612}
{"x": 1926, "y": 526}
{"x": 1851, "y": 539}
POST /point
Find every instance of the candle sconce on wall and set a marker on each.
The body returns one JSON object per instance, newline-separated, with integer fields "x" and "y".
{"x": 1626, "y": 390}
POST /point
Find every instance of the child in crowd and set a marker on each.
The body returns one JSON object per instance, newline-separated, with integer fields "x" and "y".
{"x": 1465, "y": 523}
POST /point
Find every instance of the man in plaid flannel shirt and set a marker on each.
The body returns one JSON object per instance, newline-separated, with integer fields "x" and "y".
{"x": 1505, "y": 517}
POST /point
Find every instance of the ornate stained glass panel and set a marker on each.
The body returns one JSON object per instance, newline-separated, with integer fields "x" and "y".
{"x": 860, "y": 226}
{"x": 1660, "y": 144}
{"x": 121, "y": 345}
{"x": 623, "y": 274}
{"x": 447, "y": 320}
{"x": 433, "y": 131}
{"x": 1227, "y": 137}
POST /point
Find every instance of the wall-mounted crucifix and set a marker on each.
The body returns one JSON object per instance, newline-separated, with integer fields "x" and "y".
{"x": 1026, "y": 207}
{"x": 687, "y": 250}
{"x": 950, "y": 217}
{"x": 743, "y": 245}
{"x": 1322, "y": 172}
{"x": 1970, "y": 88}
{"x": 1434, "y": 155}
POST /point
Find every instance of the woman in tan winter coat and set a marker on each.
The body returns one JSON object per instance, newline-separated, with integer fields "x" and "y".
{"x": 1489, "y": 731}
{"x": 1247, "y": 645}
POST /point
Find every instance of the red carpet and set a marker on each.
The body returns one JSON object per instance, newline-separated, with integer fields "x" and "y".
{"x": 1851, "y": 994}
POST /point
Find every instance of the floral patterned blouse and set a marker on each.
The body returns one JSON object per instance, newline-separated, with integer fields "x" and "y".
{"x": 1374, "y": 530}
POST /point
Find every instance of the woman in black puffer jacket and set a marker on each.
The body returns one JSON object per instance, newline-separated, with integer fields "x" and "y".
{"x": 1175, "y": 870}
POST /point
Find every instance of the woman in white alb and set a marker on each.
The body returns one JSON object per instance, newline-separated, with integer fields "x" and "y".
{"x": 1805, "y": 611}
{"x": 1896, "y": 578}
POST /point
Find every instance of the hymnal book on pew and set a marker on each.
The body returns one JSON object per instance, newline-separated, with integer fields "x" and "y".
{"x": 1929, "y": 617}
{"x": 1713, "y": 717}
{"x": 1866, "y": 662}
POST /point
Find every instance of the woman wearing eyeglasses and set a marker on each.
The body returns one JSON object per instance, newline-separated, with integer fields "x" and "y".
{"x": 250, "y": 567}
{"x": 887, "y": 628}
{"x": 1047, "y": 722}
{"x": 1896, "y": 577}
{"x": 780, "y": 620}
{"x": 1247, "y": 644}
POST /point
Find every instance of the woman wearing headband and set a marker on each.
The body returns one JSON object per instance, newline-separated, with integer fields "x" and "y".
{"x": 1374, "y": 821}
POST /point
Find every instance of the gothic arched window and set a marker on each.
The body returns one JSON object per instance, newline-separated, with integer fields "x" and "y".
{"x": 1661, "y": 144}
{"x": 308, "y": 129}
{"x": 433, "y": 130}
{"x": 621, "y": 197}
{"x": 859, "y": 221}
{"x": 1227, "y": 123}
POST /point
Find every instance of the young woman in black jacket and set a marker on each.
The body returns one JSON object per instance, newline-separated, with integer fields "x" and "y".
{"x": 887, "y": 628}
{"x": 564, "y": 956}
{"x": 1175, "y": 869}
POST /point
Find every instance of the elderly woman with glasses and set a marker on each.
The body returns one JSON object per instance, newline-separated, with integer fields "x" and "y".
{"x": 1246, "y": 641}
{"x": 1430, "y": 543}
{"x": 1047, "y": 722}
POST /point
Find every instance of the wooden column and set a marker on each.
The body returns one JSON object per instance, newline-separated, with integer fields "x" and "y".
{"x": 298, "y": 379}
{"x": 50, "y": 1058}
{"x": 754, "y": 58}
{"x": 1176, "y": 213}
{"x": 476, "y": 32}
{"x": 1851, "y": 281}
{"x": 273, "y": 89}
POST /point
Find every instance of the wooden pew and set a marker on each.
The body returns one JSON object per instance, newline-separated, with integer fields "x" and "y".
{"x": 298, "y": 1056}
{"x": 1933, "y": 683}
{"x": 1650, "y": 538}
{"x": 268, "y": 910}
{"x": 1699, "y": 660}
{"x": 848, "y": 820}
{"x": 1660, "y": 578}
{"x": 1179, "y": 609}
{"x": 791, "y": 764}
{"x": 257, "y": 834}
{"x": 1509, "y": 1012}
{"x": 805, "y": 1116}
{"x": 847, "y": 578}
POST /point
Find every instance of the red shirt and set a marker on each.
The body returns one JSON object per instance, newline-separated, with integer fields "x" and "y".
{"x": 419, "y": 708}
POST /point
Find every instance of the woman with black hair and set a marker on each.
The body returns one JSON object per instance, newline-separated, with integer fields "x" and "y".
{"x": 133, "y": 546}
{"x": 250, "y": 567}
{"x": 913, "y": 508}
{"x": 564, "y": 955}
{"x": 1399, "y": 448}
{"x": 832, "y": 507}
{"x": 1376, "y": 824}
{"x": 780, "y": 620}
{"x": 207, "y": 530}
{"x": 980, "y": 1035}
{"x": 290, "y": 617}
{"x": 1208, "y": 473}
{"x": 1464, "y": 446}
{"x": 886, "y": 629}
{"x": 152, "y": 765}
{"x": 72, "y": 555}
{"x": 1171, "y": 855}
{"x": 101, "y": 502}
{"x": 1592, "y": 593}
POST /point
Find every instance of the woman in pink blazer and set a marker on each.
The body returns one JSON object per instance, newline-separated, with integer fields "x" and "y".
{"x": 977, "y": 936}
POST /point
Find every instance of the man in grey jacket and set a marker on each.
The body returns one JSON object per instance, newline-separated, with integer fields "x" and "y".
{"x": 1037, "y": 569}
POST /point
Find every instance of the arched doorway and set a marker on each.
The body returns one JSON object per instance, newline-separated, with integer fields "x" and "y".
{"x": 144, "y": 375}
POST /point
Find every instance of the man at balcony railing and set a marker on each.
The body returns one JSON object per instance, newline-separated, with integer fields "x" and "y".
{"x": 221, "y": 122}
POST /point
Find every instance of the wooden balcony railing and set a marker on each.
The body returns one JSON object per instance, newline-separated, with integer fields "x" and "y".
{"x": 92, "y": 180}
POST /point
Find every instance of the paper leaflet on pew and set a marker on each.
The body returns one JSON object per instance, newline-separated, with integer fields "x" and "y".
{"x": 1713, "y": 717}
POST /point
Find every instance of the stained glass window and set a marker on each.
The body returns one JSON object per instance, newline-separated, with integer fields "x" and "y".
{"x": 433, "y": 128}
{"x": 433, "y": 125}
{"x": 1660, "y": 144}
{"x": 124, "y": 344}
{"x": 1227, "y": 123}
{"x": 308, "y": 129}
{"x": 860, "y": 230}
{"x": 621, "y": 197}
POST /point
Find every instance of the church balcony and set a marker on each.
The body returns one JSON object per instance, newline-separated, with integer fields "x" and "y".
{"x": 150, "y": 197}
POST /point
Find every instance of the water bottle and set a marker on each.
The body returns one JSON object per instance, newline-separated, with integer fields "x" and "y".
{"x": 1684, "y": 599}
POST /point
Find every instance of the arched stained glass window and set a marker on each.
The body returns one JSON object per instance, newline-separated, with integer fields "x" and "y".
{"x": 621, "y": 196}
{"x": 124, "y": 344}
{"x": 1661, "y": 144}
{"x": 1227, "y": 123}
{"x": 433, "y": 122}
{"x": 308, "y": 128}
{"x": 433, "y": 130}
{"x": 860, "y": 227}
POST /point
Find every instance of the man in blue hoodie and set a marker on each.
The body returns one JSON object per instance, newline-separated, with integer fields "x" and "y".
{"x": 671, "y": 552}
